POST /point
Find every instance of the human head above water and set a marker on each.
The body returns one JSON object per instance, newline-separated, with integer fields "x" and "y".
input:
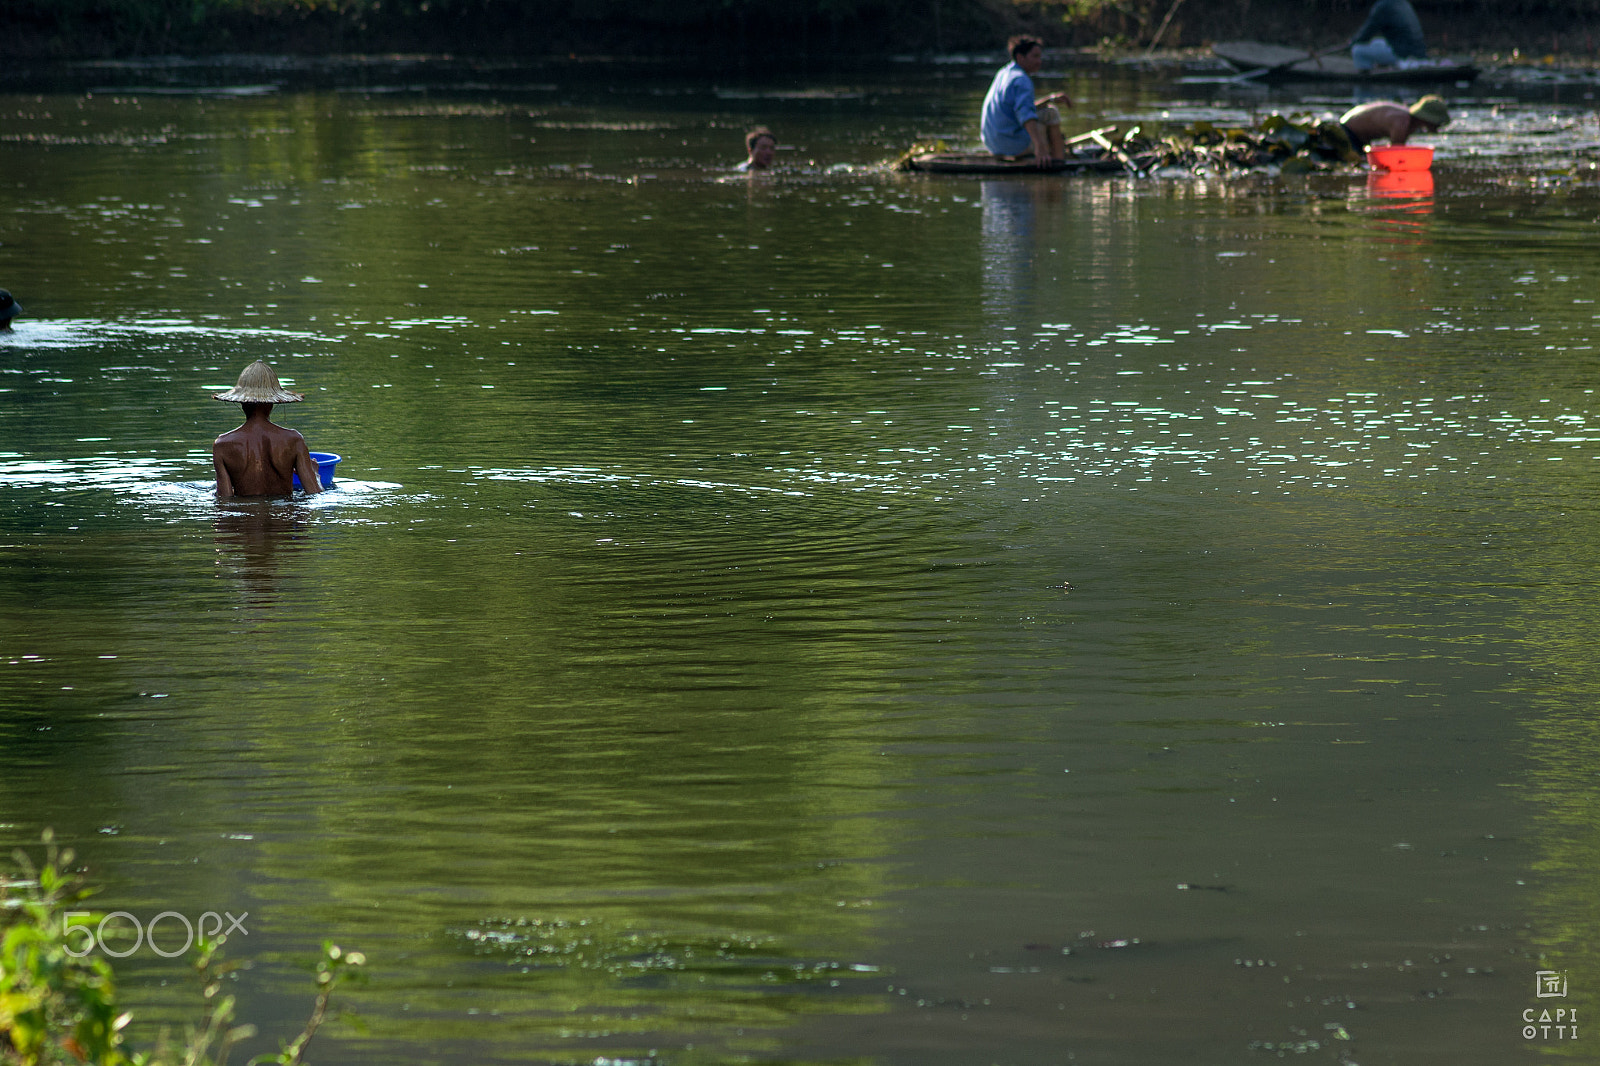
{"x": 755, "y": 134}
{"x": 258, "y": 384}
{"x": 760, "y": 143}
{"x": 1431, "y": 109}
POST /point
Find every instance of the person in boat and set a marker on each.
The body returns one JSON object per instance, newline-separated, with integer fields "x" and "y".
{"x": 1390, "y": 37}
{"x": 760, "y": 144}
{"x": 259, "y": 458}
{"x": 9, "y": 309}
{"x": 1385, "y": 120}
{"x": 1014, "y": 123}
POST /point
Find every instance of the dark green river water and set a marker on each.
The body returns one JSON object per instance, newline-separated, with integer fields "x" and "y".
{"x": 827, "y": 617}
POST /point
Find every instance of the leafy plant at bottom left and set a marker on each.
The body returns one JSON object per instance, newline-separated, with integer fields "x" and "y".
{"x": 54, "y": 1005}
{"x": 58, "y": 1001}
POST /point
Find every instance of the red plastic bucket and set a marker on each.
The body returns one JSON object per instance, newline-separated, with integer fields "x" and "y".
{"x": 1400, "y": 157}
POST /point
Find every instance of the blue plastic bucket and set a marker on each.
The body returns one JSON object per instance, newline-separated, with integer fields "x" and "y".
{"x": 325, "y": 461}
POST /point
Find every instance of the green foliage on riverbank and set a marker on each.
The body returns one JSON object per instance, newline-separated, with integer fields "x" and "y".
{"x": 1563, "y": 26}
{"x": 58, "y": 999}
{"x": 744, "y": 34}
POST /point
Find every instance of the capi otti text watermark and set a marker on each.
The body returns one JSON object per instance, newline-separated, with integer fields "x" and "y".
{"x": 1545, "y": 1023}
{"x": 83, "y": 938}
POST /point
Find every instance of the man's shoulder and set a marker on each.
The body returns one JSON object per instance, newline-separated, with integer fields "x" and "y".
{"x": 1397, "y": 10}
{"x": 1376, "y": 107}
{"x": 271, "y": 432}
{"x": 1012, "y": 84}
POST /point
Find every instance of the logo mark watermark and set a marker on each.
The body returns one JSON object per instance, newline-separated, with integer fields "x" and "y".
{"x": 1540, "y": 1023}
{"x": 83, "y": 939}
{"x": 1548, "y": 983}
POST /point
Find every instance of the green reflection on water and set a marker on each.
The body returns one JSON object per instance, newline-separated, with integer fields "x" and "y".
{"x": 724, "y": 573}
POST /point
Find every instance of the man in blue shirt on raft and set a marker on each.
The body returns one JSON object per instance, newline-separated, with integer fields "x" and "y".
{"x": 1391, "y": 37}
{"x": 1016, "y": 125}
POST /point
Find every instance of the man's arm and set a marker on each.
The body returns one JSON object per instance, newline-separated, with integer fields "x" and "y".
{"x": 1400, "y": 127}
{"x": 1019, "y": 97}
{"x": 1366, "y": 31}
{"x": 1041, "y": 146}
{"x": 306, "y": 467}
{"x": 224, "y": 482}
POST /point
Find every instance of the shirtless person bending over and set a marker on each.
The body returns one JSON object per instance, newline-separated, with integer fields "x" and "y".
{"x": 259, "y": 458}
{"x": 1387, "y": 121}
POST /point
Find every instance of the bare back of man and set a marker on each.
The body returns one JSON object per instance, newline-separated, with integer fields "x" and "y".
{"x": 260, "y": 459}
{"x": 1387, "y": 121}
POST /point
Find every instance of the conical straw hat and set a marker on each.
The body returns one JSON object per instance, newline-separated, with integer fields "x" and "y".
{"x": 1431, "y": 109}
{"x": 258, "y": 384}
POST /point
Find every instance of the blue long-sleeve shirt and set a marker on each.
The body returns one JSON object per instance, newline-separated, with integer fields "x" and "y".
{"x": 1008, "y": 105}
{"x": 1396, "y": 22}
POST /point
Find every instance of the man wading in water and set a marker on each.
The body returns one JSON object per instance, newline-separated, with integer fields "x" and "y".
{"x": 259, "y": 458}
{"x": 9, "y": 309}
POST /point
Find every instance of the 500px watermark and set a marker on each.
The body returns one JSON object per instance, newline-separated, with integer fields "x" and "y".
{"x": 82, "y": 937}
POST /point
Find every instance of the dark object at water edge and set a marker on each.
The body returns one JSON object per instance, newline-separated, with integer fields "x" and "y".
{"x": 984, "y": 163}
{"x": 1248, "y": 55}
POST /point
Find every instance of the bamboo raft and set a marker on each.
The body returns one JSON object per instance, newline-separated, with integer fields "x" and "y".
{"x": 1278, "y": 142}
{"x": 1091, "y": 152}
{"x": 983, "y": 163}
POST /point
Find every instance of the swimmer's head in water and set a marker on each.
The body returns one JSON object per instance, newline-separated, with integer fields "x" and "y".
{"x": 9, "y": 308}
{"x": 1431, "y": 109}
{"x": 755, "y": 135}
{"x": 258, "y": 384}
{"x": 761, "y": 143}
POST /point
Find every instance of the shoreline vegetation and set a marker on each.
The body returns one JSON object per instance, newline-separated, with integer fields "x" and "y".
{"x": 58, "y": 995}
{"x": 755, "y": 35}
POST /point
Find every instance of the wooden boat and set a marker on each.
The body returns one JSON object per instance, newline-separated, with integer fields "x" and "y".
{"x": 1090, "y": 152}
{"x": 984, "y": 163}
{"x": 1253, "y": 55}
